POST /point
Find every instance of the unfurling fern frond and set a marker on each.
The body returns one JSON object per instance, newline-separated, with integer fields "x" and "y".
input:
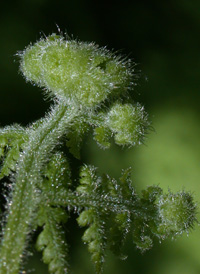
{"x": 107, "y": 218}
{"x": 91, "y": 91}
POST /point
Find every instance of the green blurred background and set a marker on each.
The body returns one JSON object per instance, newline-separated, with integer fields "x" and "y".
{"x": 163, "y": 38}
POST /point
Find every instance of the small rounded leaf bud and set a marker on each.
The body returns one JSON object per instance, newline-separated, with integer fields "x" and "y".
{"x": 129, "y": 123}
{"x": 162, "y": 216}
{"x": 73, "y": 70}
{"x": 176, "y": 213}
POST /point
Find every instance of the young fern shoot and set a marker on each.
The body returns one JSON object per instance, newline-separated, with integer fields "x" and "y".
{"x": 90, "y": 88}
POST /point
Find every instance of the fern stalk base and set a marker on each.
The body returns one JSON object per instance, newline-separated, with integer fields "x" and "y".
{"x": 25, "y": 196}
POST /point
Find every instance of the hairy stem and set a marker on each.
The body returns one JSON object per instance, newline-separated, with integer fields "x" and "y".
{"x": 25, "y": 197}
{"x": 105, "y": 202}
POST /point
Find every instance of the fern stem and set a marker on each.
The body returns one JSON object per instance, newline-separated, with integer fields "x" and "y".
{"x": 25, "y": 196}
{"x": 105, "y": 202}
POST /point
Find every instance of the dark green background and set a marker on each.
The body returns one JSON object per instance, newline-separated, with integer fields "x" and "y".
{"x": 163, "y": 38}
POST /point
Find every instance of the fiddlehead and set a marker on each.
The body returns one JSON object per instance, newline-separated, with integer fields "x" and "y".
{"x": 90, "y": 88}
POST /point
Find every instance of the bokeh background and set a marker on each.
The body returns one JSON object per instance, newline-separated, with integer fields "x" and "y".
{"x": 163, "y": 38}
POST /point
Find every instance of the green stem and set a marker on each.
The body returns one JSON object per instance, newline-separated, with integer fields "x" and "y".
{"x": 103, "y": 202}
{"x": 25, "y": 196}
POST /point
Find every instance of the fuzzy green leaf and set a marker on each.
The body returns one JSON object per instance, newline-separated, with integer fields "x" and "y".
{"x": 52, "y": 239}
{"x": 12, "y": 140}
{"x": 94, "y": 236}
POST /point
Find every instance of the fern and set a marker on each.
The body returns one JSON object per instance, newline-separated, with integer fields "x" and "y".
{"x": 90, "y": 87}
